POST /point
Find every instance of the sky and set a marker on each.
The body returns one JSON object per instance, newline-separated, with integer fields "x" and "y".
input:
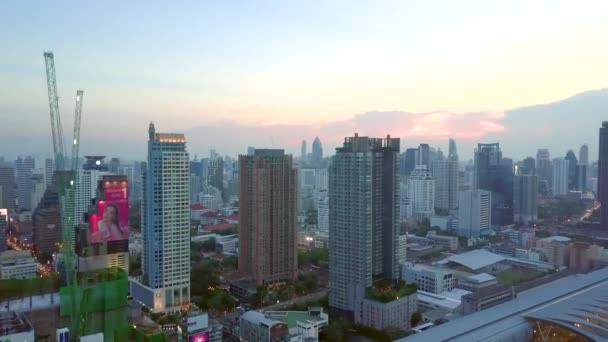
{"x": 232, "y": 74}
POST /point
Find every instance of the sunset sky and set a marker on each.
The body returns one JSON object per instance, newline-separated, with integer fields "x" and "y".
{"x": 280, "y": 71}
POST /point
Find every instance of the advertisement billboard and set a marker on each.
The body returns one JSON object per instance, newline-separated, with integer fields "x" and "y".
{"x": 199, "y": 337}
{"x": 111, "y": 221}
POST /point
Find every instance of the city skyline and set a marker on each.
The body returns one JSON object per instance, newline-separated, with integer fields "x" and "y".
{"x": 271, "y": 79}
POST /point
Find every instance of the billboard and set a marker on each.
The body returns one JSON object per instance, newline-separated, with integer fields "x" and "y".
{"x": 111, "y": 220}
{"x": 199, "y": 337}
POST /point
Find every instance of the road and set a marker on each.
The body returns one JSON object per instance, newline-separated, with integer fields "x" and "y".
{"x": 300, "y": 300}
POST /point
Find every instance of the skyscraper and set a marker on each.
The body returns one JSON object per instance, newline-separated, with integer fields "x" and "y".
{"x": 572, "y": 163}
{"x": 421, "y": 192}
{"x": 166, "y": 224}
{"x": 317, "y": 152}
{"x": 49, "y": 167}
{"x": 363, "y": 218}
{"x": 215, "y": 176}
{"x": 38, "y": 188}
{"x": 408, "y": 161}
{"x": 602, "y": 175}
{"x": 583, "y": 155}
{"x": 304, "y": 152}
{"x": 323, "y": 212}
{"x": 474, "y": 212}
{"x": 3, "y": 228}
{"x": 7, "y": 186}
{"x": 267, "y": 216}
{"x": 525, "y": 202}
{"x": 527, "y": 167}
{"x": 495, "y": 174}
{"x": 487, "y": 157}
{"x": 561, "y": 169}
{"x": 453, "y": 153}
{"x": 114, "y": 165}
{"x": 445, "y": 172}
{"x": 543, "y": 165}
{"x": 25, "y": 166}
{"x": 86, "y": 184}
{"x": 423, "y": 155}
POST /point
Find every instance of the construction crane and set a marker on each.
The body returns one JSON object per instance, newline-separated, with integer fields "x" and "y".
{"x": 56, "y": 127}
{"x": 77, "y": 115}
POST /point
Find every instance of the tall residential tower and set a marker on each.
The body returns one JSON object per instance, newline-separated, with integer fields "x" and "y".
{"x": 363, "y": 219}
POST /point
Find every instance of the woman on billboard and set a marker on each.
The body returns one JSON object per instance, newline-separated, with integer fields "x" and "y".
{"x": 108, "y": 228}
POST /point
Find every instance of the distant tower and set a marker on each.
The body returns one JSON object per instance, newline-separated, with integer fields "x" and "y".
{"x": 583, "y": 155}
{"x": 421, "y": 187}
{"x": 525, "y": 202}
{"x": 445, "y": 173}
{"x": 423, "y": 155}
{"x": 543, "y": 165}
{"x": 317, "y": 151}
{"x": 474, "y": 212}
{"x": 25, "y": 167}
{"x": 572, "y": 162}
{"x": 303, "y": 155}
{"x": 453, "y": 153}
{"x": 602, "y": 175}
{"x": 561, "y": 167}
{"x": 7, "y": 186}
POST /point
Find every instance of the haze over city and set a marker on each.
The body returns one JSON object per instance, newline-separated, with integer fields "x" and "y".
{"x": 277, "y": 72}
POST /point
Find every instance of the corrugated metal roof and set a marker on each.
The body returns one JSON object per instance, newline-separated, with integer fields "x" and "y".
{"x": 474, "y": 259}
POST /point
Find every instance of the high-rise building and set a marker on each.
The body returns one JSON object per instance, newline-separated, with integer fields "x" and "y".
{"x": 363, "y": 219}
{"x": 474, "y": 212}
{"x": 86, "y": 185}
{"x": 572, "y": 163}
{"x": 445, "y": 172}
{"x": 323, "y": 212}
{"x": 317, "y": 152}
{"x": 49, "y": 167}
{"x": 408, "y": 161}
{"x": 304, "y": 151}
{"x": 421, "y": 192}
{"x": 7, "y": 186}
{"x": 38, "y": 188}
{"x": 602, "y": 175}
{"x": 46, "y": 221}
{"x": 525, "y": 202}
{"x": 527, "y": 167}
{"x": 452, "y": 153}
{"x": 583, "y": 155}
{"x": 267, "y": 216}
{"x": 114, "y": 165}
{"x": 166, "y": 224}
{"x": 494, "y": 173}
{"x": 543, "y": 165}
{"x": 3, "y": 228}
{"x": 25, "y": 167}
{"x": 215, "y": 171}
{"x": 423, "y": 155}
{"x": 561, "y": 169}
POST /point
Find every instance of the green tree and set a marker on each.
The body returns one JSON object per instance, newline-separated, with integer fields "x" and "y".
{"x": 416, "y": 318}
{"x": 208, "y": 245}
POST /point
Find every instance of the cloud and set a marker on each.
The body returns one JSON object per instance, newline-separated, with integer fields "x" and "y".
{"x": 421, "y": 127}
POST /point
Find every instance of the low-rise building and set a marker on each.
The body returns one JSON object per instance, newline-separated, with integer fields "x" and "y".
{"x": 283, "y": 325}
{"x": 449, "y": 301}
{"x": 15, "y": 327}
{"x": 198, "y": 326}
{"x": 477, "y": 282}
{"x": 450, "y": 242}
{"x": 428, "y": 278}
{"x": 486, "y": 297}
{"x": 17, "y": 265}
{"x": 395, "y": 313}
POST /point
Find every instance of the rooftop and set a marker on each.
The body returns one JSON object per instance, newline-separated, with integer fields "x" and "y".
{"x": 13, "y": 323}
{"x": 448, "y": 300}
{"x": 11, "y": 254}
{"x": 291, "y": 318}
{"x": 557, "y": 238}
{"x": 481, "y": 278}
{"x": 475, "y": 259}
{"x": 506, "y": 317}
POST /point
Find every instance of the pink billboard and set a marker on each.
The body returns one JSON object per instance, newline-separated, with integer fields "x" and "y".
{"x": 199, "y": 337}
{"x": 111, "y": 221}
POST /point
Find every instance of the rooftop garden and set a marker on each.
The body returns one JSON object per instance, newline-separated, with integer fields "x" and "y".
{"x": 388, "y": 290}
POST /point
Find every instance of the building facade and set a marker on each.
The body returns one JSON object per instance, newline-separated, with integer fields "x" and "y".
{"x": 445, "y": 172}
{"x": 429, "y": 279}
{"x": 363, "y": 218}
{"x": 561, "y": 169}
{"x": 525, "y": 199}
{"x": 474, "y": 212}
{"x": 267, "y": 216}
{"x": 17, "y": 265}
{"x": 25, "y": 167}
{"x": 421, "y": 192}
{"x": 602, "y": 175}
{"x": 166, "y": 222}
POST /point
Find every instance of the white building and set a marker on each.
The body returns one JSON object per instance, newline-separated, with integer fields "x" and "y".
{"x": 428, "y": 278}
{"x": 17, "y": 265}
{"x": 283, "y": 325}
{"x": 86, "y": 189}
{"x": 209, "y": 201}
{"x": 560, "y": 176}
{"x": 166, "y": 225}
{"x": 421, "y": 187}
{"x": 323, "y": 212}
{"x": 474, "y": 212}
